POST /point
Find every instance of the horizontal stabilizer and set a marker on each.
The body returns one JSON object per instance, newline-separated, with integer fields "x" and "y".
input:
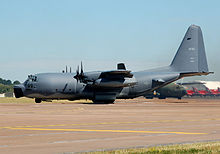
{"x": 194, "y": 74}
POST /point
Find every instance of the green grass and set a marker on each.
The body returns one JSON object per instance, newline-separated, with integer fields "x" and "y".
{"x": 29, "y": 100}
{"x": 15, "y": 100}
{"x": 196, "y": 148}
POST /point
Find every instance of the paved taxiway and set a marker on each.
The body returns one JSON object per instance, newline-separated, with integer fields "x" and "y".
{"x": 77, "y": 127}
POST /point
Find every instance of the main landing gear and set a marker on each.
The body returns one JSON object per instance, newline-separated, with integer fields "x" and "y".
{"x": 38, "y": 100}
{"x": 104, "y": 102}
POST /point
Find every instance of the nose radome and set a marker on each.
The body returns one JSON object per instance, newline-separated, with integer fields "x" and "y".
{"x": 19, "y": 90}
{"x": 184, "y": 92}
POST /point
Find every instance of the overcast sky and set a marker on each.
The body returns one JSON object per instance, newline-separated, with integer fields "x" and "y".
{"x": 45, "y": 35}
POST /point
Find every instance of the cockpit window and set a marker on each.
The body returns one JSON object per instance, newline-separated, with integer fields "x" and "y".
{"x": 32, "y": 78}
{"x": 30, "y": 82}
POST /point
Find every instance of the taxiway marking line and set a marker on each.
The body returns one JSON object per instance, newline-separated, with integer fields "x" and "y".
{"x": 110, "y": 123}
{"x": 112, "y": 131}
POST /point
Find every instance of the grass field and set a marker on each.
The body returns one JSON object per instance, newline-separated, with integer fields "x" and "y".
{"x": 196, "y": 148}
{"x": 29, "y": 100}
{"x": 14, "y": 100}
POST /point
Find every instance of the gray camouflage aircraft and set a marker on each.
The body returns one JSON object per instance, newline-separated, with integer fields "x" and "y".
{"x": 171, "y": 90}
{"x": 106, "y": 86}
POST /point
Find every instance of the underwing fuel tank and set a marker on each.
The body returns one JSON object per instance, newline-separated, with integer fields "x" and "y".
{"x": 115, "y": 83}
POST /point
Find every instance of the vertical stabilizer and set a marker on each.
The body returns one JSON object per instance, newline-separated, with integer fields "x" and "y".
{"x": 190, "y": 56}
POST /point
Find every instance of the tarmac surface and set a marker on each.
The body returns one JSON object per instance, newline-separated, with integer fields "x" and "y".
{"x": 58, "y": 128}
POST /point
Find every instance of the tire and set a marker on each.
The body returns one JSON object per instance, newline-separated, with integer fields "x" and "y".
{"x": 162, "y": 97}
{"x": 148, "y": 97}
{"x": 38, "y": 100}
{"x": 104, "y": 102}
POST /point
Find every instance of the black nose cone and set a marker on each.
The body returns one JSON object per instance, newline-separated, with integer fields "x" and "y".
{"x": 18, "y": 91}
{"x": 184, "y": 92}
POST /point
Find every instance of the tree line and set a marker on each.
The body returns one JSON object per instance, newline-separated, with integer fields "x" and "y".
{"x": 7, "y": 85}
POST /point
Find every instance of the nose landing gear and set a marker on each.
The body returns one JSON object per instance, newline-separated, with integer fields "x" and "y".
{"x": 38, "y": 100}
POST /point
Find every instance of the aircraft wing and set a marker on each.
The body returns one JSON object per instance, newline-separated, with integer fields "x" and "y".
{"x": 114, "y": 79}
{"x": 116, "y": 74}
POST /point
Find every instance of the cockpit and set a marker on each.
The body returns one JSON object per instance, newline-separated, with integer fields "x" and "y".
{"x": 32, "y": 78}
{"x": 29, "y": 83}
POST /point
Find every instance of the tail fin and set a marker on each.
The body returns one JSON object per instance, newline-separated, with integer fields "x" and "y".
{"x": 191, "y": 57}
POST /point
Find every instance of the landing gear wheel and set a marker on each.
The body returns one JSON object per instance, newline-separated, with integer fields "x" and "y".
{"x": 149, "y": 97}
{"x": 162, "y": 97}
{"x": 109, "y": 102}
{"x": 104, "y": 102}
{"x": 38, "y": 100}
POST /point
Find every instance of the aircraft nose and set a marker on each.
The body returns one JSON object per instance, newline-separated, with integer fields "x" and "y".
{"x": 19, "y": 90}
{"x": 184, "y": 92}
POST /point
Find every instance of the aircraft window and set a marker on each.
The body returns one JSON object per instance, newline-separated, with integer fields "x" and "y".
{"x": 32, "y": 78}
{"x": 30, "y": 85}
{"x": 56, "y": 90}
{"x": 188, "y": 38}
{"x": 69, "y": 89}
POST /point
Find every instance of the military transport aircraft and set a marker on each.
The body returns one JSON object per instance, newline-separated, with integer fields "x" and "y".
{"x": 106, "y": 86}
{"x": 172, "y": 90}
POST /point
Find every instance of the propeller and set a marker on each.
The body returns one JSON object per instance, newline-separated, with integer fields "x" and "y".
{"x": 82, "y": 68}
{"x": 77, "y": 71}
{"x": 79, "y": 76}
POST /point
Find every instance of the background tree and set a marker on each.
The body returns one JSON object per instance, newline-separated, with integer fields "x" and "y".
{"x": 16, "y": 82}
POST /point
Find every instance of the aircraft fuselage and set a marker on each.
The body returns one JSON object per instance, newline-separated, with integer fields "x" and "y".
{"x": 65, "y": 86}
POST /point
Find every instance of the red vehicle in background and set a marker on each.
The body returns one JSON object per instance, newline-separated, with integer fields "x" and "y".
{"x": 203, "y": 88}
{"x": 215, "y": 92}
{"x": 202, "y": 92}
{"x": 190, "y": 92}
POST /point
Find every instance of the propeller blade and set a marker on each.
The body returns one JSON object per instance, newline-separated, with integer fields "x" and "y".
{"x": 81, "y": 68}
{"x": 77, "y": 70}
{"x": 77, "y": 74}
